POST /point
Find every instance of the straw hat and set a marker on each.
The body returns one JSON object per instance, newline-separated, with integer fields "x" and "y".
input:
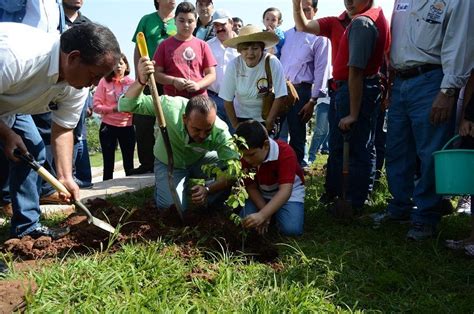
{"x": 251, "y": 33}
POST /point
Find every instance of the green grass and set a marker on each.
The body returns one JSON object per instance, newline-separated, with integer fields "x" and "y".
{"x": 96, "y": 158}
{"x": 332, "y": 268}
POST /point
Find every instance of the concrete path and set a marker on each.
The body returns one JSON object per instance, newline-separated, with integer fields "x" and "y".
{"x": 118, "y": 185}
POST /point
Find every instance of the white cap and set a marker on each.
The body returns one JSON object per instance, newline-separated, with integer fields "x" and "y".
{"x": 221, "y": 16}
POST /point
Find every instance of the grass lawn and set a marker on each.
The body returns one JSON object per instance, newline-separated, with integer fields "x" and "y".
{"x": 332, "y": 268}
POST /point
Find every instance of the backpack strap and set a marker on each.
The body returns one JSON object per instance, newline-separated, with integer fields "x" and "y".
{"x": 268, "y": 72}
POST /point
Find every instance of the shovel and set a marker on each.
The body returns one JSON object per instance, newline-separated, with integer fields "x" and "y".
{"x": 342, "y": 208}
{"x": 29, "y": 159}
{"x": 141, "y": 43}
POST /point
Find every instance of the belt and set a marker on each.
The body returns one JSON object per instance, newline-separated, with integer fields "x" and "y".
{"x": 415, "y": 71}
{"x": 213, "y": 93}
{"x": 302, "y": 84}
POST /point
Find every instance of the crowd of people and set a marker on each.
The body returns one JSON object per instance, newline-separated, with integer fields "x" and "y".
{"x": 388, "y": 92}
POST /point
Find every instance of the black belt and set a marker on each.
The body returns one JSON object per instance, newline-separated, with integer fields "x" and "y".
{"x": 210, "y": 92}
{"x": 415, "y": 71}
{"x": 302, "y": 84}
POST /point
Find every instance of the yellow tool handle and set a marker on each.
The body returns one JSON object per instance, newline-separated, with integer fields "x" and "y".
{"x": 141, "y": 42}
{"x": 48, "y": 177}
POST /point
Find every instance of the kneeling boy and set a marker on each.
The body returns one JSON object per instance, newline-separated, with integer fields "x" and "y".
{"x": 278, "y": 187}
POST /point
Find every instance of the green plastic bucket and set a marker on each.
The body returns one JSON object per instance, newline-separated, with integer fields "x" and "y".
{"x": 454, "y": 170}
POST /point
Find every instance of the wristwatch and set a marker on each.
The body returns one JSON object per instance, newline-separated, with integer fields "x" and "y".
{"x": 207, "y": 189}
{"x": 450, "y": 92}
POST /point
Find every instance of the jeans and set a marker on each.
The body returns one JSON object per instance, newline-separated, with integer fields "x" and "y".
{"x": 289, "y": 218}
{"x": 410, "y": 135}
{"x": 163, "y": 196}
{"x": 221, "y": 111}
{"x": 320, "y": 132}
{"x": 380, "y": 140}
{"x": 109, "y": 135}
{"x": 296, "y": 128}
{"x": 25, "y": 184}
{"x": 361, "y": 143}
{"x": 82, "y": 163}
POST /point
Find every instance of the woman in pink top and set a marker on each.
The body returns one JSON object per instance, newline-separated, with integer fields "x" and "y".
{"x": 116, "y": 126}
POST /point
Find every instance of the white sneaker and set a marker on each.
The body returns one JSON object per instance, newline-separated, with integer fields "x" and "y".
{"x": 464, "y": 205}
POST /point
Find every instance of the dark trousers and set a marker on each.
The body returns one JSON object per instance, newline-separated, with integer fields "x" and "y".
{"x": 361, "y": 142}
{"x": 109, "y": 136}
{"x": 296, "y": 128}
{"x": 145, "y": 134}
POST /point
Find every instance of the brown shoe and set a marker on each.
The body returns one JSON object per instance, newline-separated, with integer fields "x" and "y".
{"x": 51, "y": 199}
{"x": 7, "y": 210}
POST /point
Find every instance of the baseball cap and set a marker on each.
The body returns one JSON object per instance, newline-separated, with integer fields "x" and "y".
{"x": 221, "y": 16}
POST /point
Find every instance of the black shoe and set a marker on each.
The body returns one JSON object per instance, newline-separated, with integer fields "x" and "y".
{"x": 54, "y": 233}
{"x": 3, "y": 269}
{"x": 140, "y": 170}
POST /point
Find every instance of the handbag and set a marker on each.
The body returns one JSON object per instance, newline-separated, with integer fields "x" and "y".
{"x": 269, "y": 97}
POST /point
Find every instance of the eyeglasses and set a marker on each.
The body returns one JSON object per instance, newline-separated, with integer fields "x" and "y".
{"x": 168, "y": 30}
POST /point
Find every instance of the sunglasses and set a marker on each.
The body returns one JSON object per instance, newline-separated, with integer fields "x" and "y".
{"x": 168, "y": 30}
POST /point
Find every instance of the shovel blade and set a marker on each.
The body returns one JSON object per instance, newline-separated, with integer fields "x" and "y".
{"x": 102, "y": 225}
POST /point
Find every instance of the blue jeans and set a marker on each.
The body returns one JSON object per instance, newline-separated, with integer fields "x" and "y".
{"x": 289, "y": 218}
{"x": 410, "y": 135}
{"x": 82, "y": 163}
{"x": 25, "y": 184}
{"x": 320, "y": 131}
{"x": 361, "y": 143}
{"x": 221, "y": 111}
{"x": 163, "y": 196}
{"x": 296, "y": 128}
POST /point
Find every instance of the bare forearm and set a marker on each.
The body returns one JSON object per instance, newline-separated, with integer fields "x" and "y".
{"x": 277, "y": 201}
{"x": 302, "y": 24}
{"x": 207, "y": 80}
{"x": 136, "y": 57}
{"x": 256, "y": 197}
{"x": 62, "y": 142}
{"x": 230, "y": 111}
{"x": 164, "y": 79}
{"x": 276, "y": 108}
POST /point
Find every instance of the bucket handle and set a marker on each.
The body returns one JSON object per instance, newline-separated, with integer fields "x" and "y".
{"x": 455, "y": 137}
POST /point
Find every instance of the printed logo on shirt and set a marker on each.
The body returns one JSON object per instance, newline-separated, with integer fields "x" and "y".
{"x": 402, "y": 6}
{"x": 262, "y": 87}
{"x": 436, "y": 12}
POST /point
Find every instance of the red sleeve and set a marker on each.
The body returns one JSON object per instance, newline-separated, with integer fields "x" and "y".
{"x": 287, "y": 164}
{"x": 159, "y": 56}
{"x": 208, "y": 59}
{"x": 325, "y": 26}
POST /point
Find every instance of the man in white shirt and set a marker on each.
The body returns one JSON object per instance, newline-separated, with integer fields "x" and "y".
{"x": 38, "y": 70}
{"x": 222, "y": 22}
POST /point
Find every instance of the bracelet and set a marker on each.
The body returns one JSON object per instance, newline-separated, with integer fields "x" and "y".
{"x": 140, "y": 82}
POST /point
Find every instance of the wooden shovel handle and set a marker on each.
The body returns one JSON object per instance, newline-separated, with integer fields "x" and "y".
{"x": 141, "y": 42}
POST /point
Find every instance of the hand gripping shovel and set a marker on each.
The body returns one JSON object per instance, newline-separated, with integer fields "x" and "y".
{"x": 28, "y": 158}
{"x": 141, "y": 42}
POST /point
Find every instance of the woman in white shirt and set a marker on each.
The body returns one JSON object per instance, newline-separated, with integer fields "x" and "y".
{"x": 246, "y": 79}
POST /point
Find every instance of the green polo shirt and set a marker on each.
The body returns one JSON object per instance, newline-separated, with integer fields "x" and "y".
{"x": 184, "y": 152}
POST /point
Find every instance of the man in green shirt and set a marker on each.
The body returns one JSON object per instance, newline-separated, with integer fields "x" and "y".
{"x": 196, "y": 134}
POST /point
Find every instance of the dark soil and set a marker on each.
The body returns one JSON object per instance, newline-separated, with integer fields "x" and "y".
{"x": 211, "y": 231}
{"x": 12, "y": 294}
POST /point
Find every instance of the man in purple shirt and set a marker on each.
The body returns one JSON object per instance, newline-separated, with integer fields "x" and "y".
{"x": 305, "y": 60}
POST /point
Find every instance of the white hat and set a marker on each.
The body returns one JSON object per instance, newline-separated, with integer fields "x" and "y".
{"x": 251, "y": 33}
{"x": 221, "y": 16}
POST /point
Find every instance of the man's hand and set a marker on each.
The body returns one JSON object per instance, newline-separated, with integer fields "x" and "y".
{"x": 307, "y": 111}
{"x": 466, "y": 128}
{"x": 441, "y": 109}
{"x": 256, "y": 220}
{"x": 145, "y": 68}
{"x": 72, "y": 187}
{"x": 199, "y": 195}
{"x": 11, "y": 141}
{"x": 346, "y": 123}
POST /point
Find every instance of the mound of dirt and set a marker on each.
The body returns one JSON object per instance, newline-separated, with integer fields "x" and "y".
{"x": 211, "y": 230}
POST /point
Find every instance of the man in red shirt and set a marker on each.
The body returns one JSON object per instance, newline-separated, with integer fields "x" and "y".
{"x": 360, "y": 38}
{"x": 278, "y": 187}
